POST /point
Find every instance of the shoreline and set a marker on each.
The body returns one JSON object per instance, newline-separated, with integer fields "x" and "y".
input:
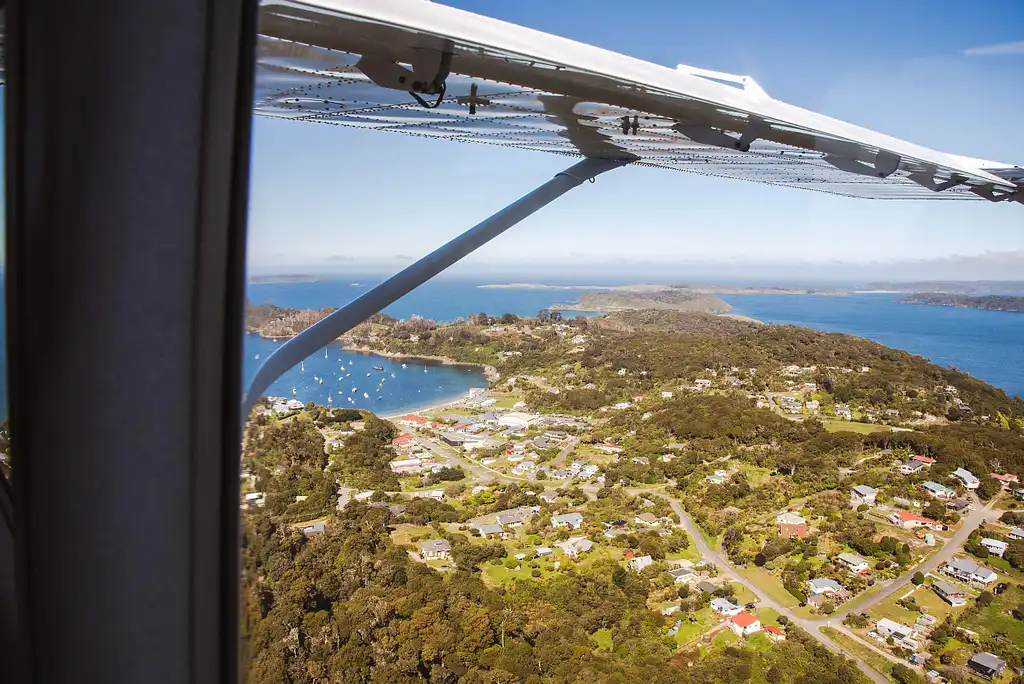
{"x": 491, "y": 373}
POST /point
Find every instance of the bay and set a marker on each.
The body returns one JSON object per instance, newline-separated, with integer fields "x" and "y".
{"x": 987, "y": 344}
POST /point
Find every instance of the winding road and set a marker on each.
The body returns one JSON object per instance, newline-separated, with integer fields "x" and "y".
{"x": 977, "y": 516}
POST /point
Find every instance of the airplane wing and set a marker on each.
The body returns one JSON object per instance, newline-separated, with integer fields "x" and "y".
{"x": 414, "y": 67}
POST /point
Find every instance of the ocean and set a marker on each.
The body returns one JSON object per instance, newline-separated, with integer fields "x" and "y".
{"x": 986, "y": 344}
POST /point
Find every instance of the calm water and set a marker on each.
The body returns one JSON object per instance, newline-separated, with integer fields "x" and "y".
{"x": 350, "y": 380}
{"x": 987, "y": 344}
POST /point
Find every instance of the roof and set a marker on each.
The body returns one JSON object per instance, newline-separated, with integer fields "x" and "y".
{"x": 965, "y": 475}
{"x": 706, "y": 587}
{"x": 825, "y": 583}
{"x": 864, "y": 490}
{"x": 922, "y": 459}
{"x": 892, "y": 626}
{"x": 567, "y": 518}
{"x": 514, "y": 515}
{"x": 541, "y": 92}
{"x": 721, "y": 604}
{"x": 743, "y": 619}
{"x": 907, "y": 516}
{"x": 947, "y": 588}
{"x": 680, "y": 572}
{"x": 988, "y": 661}
{"x": 647, "y": 517}
{"x": 966, "y": 565}
{"x": 774, "y": 630}
{"x": 936, "y": 487}
{"x": 790, "y": 519}
{"x": 435, "y": 545}
{"x": 490, "y": 528}
{"x": 851, "y": 558}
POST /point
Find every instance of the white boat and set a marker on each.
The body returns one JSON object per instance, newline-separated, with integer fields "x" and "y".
{"x": 325, "y": 353}
{"x": 294, "y": 391}
{"x": 392, "y": 375}
{"x": 257, "y": 356}
{"x": 329, "y": 399}
{"x": 365, "y": 395}
{"x": 403, "y": 365}
{"x": 302, "y": 366}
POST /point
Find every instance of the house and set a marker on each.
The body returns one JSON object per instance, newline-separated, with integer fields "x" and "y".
{"x": 715, "y": 479}
{"x": 1016, "y": 533}
{"x": 823, "y": 585}
{"x": 682, "y": 575}
{"x": 547, "y": 497}
{"x": 1006, "y": 480}
{"x": 966, "y": 570}
{"x": 958, "y": 505}
{"x": 923, "y": 459}
{"x": 574, "y": 546}
{"x": 986, "y": 665}
{"x": 647, "y": 519}
{"x": 516, "y": 419}
{"x": 571, "y": 520}
{"x": 743, "y": 624}
{"x": 706, "y": 587}
{"x": 843, "y": 412}
{"x": 862, "y": 494}
{"x": 403, "y": 442}
{"x": 433, "y": 549}
{"x": 666, "y": 395}
{"x": 791, "y": 525}
{"x": 774, "y": 633}
{"x": 938, "y": 491}
{"x": 909, "y": 521}
{"x": 608, "y": 448}
{"x": 853, "y": 563}
{"x": 515, "y": 517}
{"x": 407, "y": 466}
{"x": 413, "y": 421}
{"x": 889, "y": 628}
{"x": 314, "y": 529}
{"x": 491, "y": 530}
{"x": 967, "y": 478}
{"x": 541, "y": 551}
{"x": 639, "y": 562}
{"x": 911, "y": 467}
{"x": 950, "y": 593}
{"x": 994, "y": 546}
{"x": 725, "y": 607}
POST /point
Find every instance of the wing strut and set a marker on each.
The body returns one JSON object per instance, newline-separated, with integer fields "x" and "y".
{"x": 358, "y": 310}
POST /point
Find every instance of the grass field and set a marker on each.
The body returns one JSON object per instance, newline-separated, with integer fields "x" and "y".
{"x": 835, "y": 425}
{"x": 771, "y": 585}
{"x": 743, "y": 594}
{"x": 690, "y": 553}
{"x": 704, "y": 620}
{"x": 855, "y": 647}
{"x": 995, "y": 618}
{"x": 756, "y": 475}
{"x": 930, "y": 601}
{"x": 889, "y": 609}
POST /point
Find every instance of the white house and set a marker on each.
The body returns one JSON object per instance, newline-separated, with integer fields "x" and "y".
{"x": 725, "y": 607}
{"x": 1016, "y": 533}
{"x": 491, "y": 530}
{"x": 862, "y": 494}
{"x": 743, "y": 624}
{"x": 646, "y": 519}
{"x": 994, "y": 546}
{"x": 853, "y": 562}
{"x": 436, "y": 548}
{"x": 967, "y": 478}
{"x": 966, "y": 570}
{"x": 515, "y": 419}
{"x": 889, "y": 628}
{"x": 682, "y": 575}
{"x": 571, "y": 520}
{"x": 574, "y": 546}
{"x": 639, "y": 562}
{"x": 937, "y": 490}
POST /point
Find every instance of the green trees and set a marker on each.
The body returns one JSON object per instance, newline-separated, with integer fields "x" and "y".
{"x": 988, "y": 488}
{"x": 918, "y": 579}
{"x": 905, "y": 675}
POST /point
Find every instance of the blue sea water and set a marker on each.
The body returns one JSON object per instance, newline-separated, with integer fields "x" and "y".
{"x": 987, "y": 344}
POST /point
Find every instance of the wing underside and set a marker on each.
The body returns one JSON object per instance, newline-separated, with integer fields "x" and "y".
{"x": 331, "y": 67}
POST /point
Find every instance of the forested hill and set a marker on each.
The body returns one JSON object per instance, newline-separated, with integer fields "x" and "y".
{"x": 989, "y": 302}
{"x": 677, "y": 300}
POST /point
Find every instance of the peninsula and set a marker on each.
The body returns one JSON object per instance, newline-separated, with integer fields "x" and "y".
{"x": 988, "y": 302}
{"x": 675, "y": 300}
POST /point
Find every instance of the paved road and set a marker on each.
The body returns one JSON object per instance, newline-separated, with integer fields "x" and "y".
{"x": 727, "y": 569}
{"x": 557, "y": 461}
{"x": 970, "y": 523}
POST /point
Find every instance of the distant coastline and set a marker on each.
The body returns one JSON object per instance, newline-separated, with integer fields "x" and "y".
{"x": 684, "y": 289}
{"x": 281, "y": 279}
{"x": 987, "y": 302}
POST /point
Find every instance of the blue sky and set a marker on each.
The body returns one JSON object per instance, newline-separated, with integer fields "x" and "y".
{"x": 345, "y": 200}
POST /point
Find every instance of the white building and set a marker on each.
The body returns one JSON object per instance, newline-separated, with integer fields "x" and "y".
{"x": 744, "y": 624}
{"x": 862, "y": 494}
{"x": 639, "y": 562}
{"x": 994, "y": 546}
{"x": 725, "y": 607}
{"x": 853, "y": 562}
{"x": 516, "y": 419}
{"x": 573, "y": 521}
{"x": 967, "y": 478}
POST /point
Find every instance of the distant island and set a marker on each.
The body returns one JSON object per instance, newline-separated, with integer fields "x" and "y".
{"x": 989, "y": 302}
{"x": 686, "y": 289}
{"x": 675, "y": 300}
{"x": 281, "y": 278}
{"x": 960, "y": 287}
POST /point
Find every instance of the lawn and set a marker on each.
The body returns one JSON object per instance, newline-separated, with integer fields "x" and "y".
{"x": 756, "y": 476}
{"x": 497, "y": 575}
{"x": 855, "y": 647}
{"x": 703, "y": 620}
{"x": 995, "y": 618}
{"x": 506, "y": 403}
{"x": 770, "y": 585}
{"x": 690, "y": 553}
{"x": 835, "y": 425}
{"x": 743, "y": 594}
{"x": 930, "y": 601}
{"x": 889, "y": 609}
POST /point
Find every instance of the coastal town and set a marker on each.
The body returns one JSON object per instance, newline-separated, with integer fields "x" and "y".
{"x": 890, "y": 554}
